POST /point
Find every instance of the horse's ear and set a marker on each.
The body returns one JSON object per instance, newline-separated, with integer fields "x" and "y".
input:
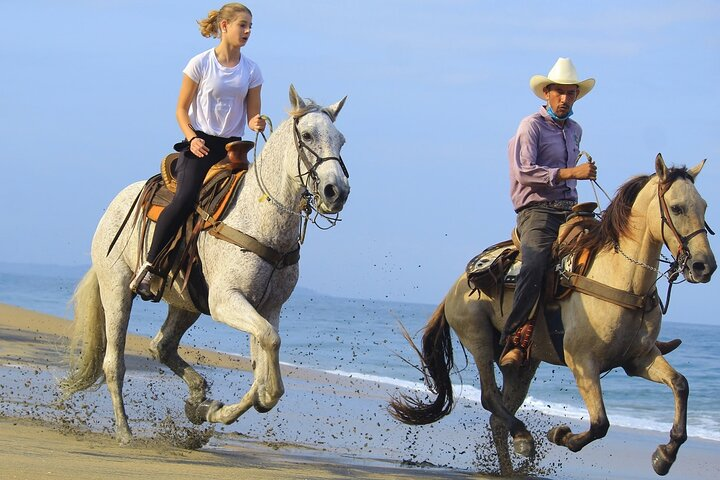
{"x": 693, "y": 172}
{"x": 334, "y": 109}
{"x": 660, "y": 168}
{"x": 295, "y": 100}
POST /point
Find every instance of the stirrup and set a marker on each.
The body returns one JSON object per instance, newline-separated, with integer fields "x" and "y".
{"x": 139, "y": 276}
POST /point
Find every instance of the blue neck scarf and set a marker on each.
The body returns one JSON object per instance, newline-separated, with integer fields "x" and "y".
{"x": 555, "y": 117}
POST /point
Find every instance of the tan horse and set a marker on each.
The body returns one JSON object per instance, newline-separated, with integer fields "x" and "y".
{"x": 647, "y": 213}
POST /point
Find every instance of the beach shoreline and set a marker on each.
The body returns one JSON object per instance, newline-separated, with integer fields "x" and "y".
{"x": 326, "y": 426}
{"x": 56, "y": 447}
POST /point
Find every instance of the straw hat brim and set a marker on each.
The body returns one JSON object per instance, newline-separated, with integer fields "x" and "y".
{"x": 539, "y": 82}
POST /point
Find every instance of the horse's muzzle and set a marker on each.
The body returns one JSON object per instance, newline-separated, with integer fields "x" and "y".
{"x": 700, "y": 268}
{"x": 333, "y": 197}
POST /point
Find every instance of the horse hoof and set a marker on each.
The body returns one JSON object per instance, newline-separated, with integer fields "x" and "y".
{"x": 191, "y": 412}
{"x": 661, "y": 463}
{"x": 198, "y": 413}
{"x": 559, "y": 434}
{"x": 523, "y": 445}
{"x": 208, "y": 407}
{"x": 261, "y": 408}
{"x": 123, "y": 438}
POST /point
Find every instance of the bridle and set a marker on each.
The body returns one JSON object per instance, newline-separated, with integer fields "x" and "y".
{"x": 311, "y": 168}
{"x": 309, "y": 180}
{"x": 682, "y": 255}
{"x": 309, "y": 199}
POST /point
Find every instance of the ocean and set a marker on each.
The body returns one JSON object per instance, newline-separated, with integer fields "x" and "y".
{"x": 361, "y": 338}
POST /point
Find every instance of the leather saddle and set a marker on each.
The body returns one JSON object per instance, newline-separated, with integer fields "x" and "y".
{"x": 497, "y": 266}
{"x": 566, "y": 273}
{"x": 180, "y": 255}
{"x": 218, "y": 187}
{"x": 235, "y": 161}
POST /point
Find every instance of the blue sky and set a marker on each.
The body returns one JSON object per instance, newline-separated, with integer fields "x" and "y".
{"x": 435, "y": 90}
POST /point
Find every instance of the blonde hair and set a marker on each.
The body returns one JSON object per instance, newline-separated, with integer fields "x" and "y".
{"x": 210, "y": 27}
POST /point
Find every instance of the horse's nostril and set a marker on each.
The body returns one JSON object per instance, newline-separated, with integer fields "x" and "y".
{"x": 330, "y": 192}
{"x": 698, "y": 266}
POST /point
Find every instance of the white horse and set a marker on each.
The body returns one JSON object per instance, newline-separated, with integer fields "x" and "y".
{"x": 299, "y": 163}
{"x": 648, "y": 212}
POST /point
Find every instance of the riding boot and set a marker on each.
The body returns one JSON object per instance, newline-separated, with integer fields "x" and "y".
{"x": 513, "y": 355}
{"x": 518, "y": 345}
{"x": 142, "y": 282}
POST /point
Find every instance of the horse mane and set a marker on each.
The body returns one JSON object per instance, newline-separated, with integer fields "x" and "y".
{"x": 614, "y": 222}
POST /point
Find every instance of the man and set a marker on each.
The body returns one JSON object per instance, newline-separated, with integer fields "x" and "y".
{"x": 544, "y": 172}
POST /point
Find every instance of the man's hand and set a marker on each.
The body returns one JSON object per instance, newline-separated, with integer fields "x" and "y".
{"x": 584, "y": 171}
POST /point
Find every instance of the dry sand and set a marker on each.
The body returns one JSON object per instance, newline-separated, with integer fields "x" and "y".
{"x": 349, "y": 439}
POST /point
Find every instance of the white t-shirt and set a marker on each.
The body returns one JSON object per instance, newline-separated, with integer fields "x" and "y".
{"x": 219, "y": 106}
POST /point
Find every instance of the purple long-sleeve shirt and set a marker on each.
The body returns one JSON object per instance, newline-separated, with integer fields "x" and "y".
{"x": 539, "y": 149}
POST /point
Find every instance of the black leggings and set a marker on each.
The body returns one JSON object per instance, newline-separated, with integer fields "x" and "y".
{"x": 190, "y": 173}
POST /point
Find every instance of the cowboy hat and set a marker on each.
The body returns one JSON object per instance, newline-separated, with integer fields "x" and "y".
{"x": 562, "y": 73}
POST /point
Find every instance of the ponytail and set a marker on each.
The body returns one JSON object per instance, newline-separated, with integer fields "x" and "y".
{"x": 210, "y": 27}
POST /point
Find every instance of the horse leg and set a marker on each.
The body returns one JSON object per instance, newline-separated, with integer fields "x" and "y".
{"x": 262, "y": 365}
{"x": 117, "y": 302}
{"x": 267, "y": 388}
{"x": 164, "y": 348}
{"x": 471, "y": 321}
{"x": 502, "y": 407}
{"x": 654, "y": 367}
{"x": 499, "y": 433}
{"x": 516, "y": 383}
{"x": 587, "y": 379}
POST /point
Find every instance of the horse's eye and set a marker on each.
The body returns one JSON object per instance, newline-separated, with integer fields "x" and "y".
{"x": 676, "y": 209}
{"x": 306, "y": 136}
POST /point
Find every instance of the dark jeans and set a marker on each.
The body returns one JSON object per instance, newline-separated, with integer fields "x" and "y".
{"x": 190, "y": 173}
{"x": 538, "y": 228}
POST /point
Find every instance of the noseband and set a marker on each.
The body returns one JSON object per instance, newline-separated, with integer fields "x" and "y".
{"x": 682, "y": 255}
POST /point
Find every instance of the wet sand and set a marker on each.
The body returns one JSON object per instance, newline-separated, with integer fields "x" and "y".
{"x": 61, "y": 447}
{"x": 324, "y": 427}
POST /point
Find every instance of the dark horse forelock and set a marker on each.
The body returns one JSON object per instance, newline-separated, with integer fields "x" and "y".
{"x": 614, "y": 223}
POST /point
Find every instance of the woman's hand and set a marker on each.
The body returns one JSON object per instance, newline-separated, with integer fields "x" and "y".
{"x": 198, "y": 148}
{"x": 257, "y": 123}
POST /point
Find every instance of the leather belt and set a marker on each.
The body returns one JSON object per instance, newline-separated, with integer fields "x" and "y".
{"x": 555, "y": 204}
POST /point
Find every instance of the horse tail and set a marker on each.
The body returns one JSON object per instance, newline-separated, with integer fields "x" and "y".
{"x": 86, "y": 349}
{"x": 436, "y": 363}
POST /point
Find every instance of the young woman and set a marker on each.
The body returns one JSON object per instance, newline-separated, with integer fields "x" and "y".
{"x": 220, "y": 93}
